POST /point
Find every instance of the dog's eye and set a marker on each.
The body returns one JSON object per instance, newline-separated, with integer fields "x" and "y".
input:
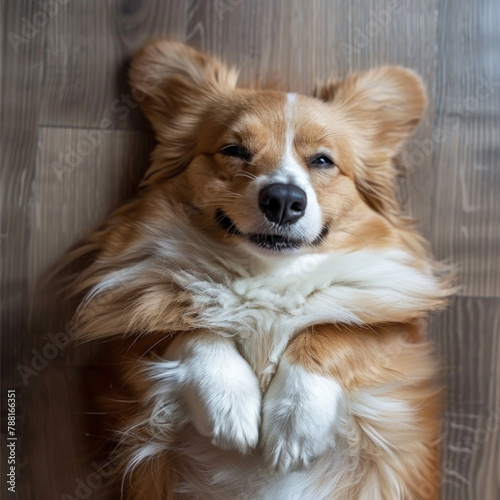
{"x": 321, "y": 161}
{"x": 236, "y": 151}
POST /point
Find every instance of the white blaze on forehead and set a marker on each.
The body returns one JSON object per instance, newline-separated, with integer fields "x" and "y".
{"x": 290, "y": 132}
{"x": 289, "y": 171}
{"x": 289, "y": 168}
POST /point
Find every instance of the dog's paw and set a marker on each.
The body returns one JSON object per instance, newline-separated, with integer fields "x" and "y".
{"x": 224, "y": 402}
{"x": 299, "y": 417}
{"x": 233, "y": 420}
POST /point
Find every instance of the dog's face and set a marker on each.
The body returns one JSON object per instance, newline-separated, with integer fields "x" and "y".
{"x": 279, "y": 173}
{"x": 268, "y": 171}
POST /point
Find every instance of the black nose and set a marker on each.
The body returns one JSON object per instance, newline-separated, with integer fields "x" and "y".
{"x": 282, "y": 203}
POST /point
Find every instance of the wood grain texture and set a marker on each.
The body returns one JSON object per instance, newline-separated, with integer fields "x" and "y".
{"x": 63, "y": 453}
{"x": 466, "y": 147}
{"x": 82, "y": 175}
{"x": 89, "y": 44}
{"x": 74, "y": 146}
{"x": 467, "y": 336}
{"x": 21, "y": 78}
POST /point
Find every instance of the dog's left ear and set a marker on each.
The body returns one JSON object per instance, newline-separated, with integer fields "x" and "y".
{"x": 382, "y": 108}
{"x": 176, "y": 85}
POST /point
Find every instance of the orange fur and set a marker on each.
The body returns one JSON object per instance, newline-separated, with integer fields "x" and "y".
{"x": 196, "y": 109}
{"x": 394, "y": 354}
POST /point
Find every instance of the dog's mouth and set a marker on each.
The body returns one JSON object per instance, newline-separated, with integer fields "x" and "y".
{"x": 273, "y": 242}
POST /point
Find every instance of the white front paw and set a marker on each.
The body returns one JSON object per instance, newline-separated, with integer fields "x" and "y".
{"x": 299, "y": 417}
{"x": 224, "y": 400}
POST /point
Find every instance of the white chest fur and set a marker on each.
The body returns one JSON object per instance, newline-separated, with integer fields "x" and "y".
{"x": 184, "y": 284}
{"x": 263, "y": 312}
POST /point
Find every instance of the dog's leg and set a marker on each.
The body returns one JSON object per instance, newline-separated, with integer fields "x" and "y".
{"x": 218, "y": 389}
{"x": 373, "y": 388}
{"x": 299, "y": 416}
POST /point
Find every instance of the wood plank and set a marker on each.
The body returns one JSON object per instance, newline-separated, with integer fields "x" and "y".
{"x": 21, "y": 77}
{"x": 82, "y": 175}
{"x": 89, "y": 44}
{"x": 61, "y": 439}
{"x": 73, "y": 194}
{"x": 400, "y": 33}
{"x": 71, "y": 72}
{"x": 466, "y": 207}
{"x": 467, "y": 338}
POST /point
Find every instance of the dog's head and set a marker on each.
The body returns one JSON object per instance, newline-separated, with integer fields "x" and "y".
{"x": 278, "y": 172}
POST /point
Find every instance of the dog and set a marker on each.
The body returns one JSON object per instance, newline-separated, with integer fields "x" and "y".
{"x": 267, "y": 295}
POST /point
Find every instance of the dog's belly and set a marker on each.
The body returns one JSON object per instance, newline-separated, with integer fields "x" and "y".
{"x": 211, "y": 473}
{"x": 262, "y": 315}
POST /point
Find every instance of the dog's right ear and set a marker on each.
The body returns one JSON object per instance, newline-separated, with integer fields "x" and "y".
{"x": 175, "y": 85}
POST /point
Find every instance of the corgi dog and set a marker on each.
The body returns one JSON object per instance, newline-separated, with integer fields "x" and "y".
{"x": 266, "y": 295}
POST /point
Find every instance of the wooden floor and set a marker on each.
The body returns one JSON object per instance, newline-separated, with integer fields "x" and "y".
{"x": 63, "y": 73}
